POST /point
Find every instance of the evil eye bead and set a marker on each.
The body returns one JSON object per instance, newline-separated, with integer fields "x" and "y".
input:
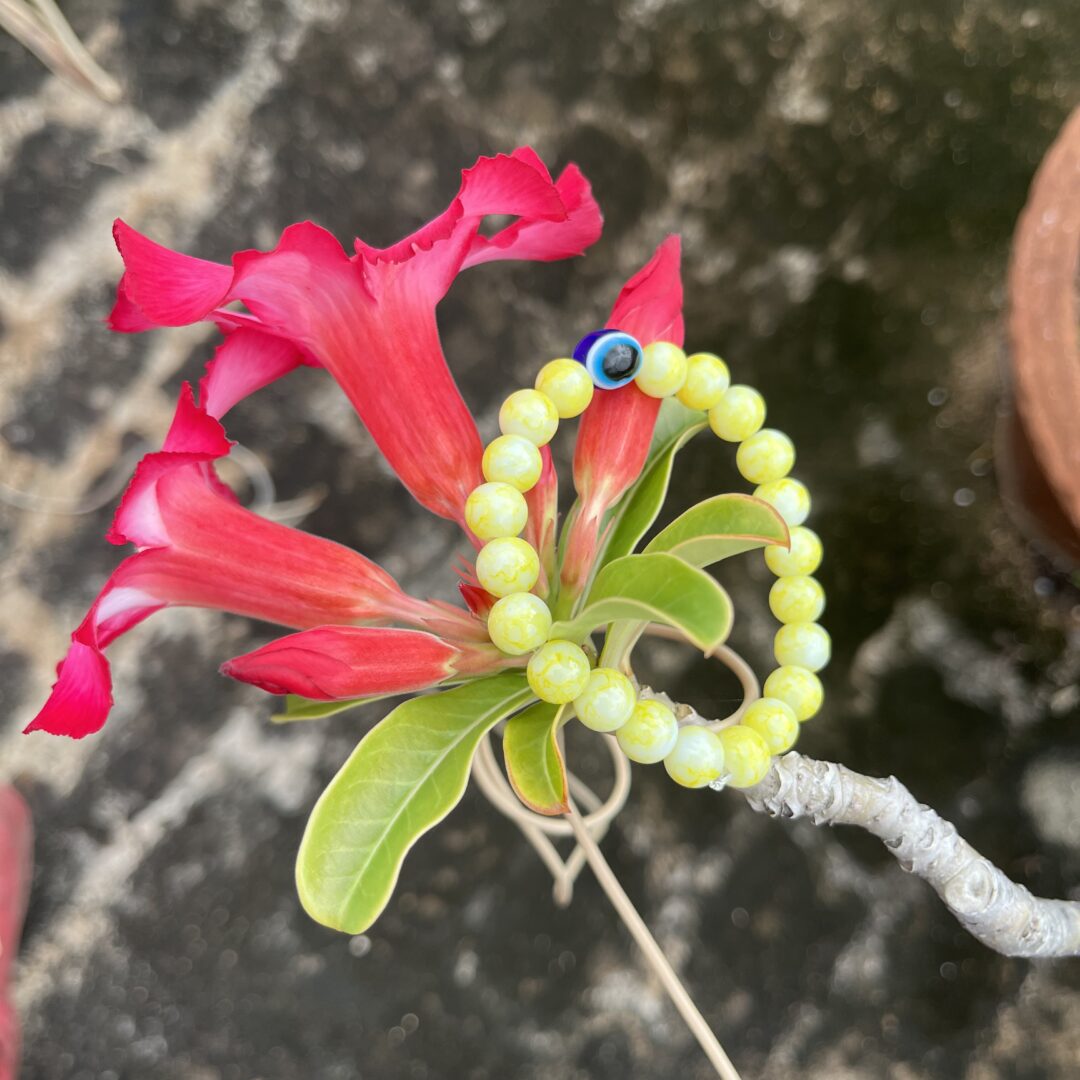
{"x": 512, "y": 460}
{"x": 746, "y": 756}
{"x": 558, "y": 672}
{"x": 508, "y": 565}
{"x": 530, "y": 414}
{"x": 697, "y": 758}
{"x": 568, "y": 385}
{"x": 611, "y": 357}
{"x": 663, "y": 370}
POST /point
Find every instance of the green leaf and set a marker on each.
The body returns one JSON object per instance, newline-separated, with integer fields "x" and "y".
{"x": 302, "y": 708}
{"x": 406, "y": 775}
{"x": 534, "y": 762}
{"x": 654, "y": 588}
{"x": 720, "y": 527}
{"x": 641, "y": 505}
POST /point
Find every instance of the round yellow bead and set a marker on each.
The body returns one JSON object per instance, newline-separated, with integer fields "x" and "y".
{"x": 568, "y": 385}
{"x": 663, "y": 369}
{"x": 738, "y": 414}
{"x": 803, "y": 644}
{"x": 746, "y": 756}
{"x": 558, "y": 671}
{"x": 494, "y": 510}
{"x": 797, "y": 687}
{"x": 767, "y": 455}
{"x": 707, "y": 377}
{"x": 507, "y": 565}
{"x": 607, "y": 700}
{"x": 650, "y": 733}
{"x": 775, "y": 721}
{"x": 531, "y": 415}
{"x": 803, "y": 558}
{"x": 512, "y": 460}
{"x": 797, "y": 599}
{"x": 697, "y": 759}
{"x": 519, "y": 623}
{"x": 788, "y": 498}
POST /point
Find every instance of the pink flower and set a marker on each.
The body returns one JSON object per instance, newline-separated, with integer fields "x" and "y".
{"x": 369, "y": 318}
{"x": 199, "y": 547}
{"x": 333, "y": 662}
{"x": 616, "y": 429}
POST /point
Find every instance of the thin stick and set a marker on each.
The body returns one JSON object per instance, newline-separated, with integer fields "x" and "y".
{"x": 46, "y": 33}
{"x": 654, "y": 955}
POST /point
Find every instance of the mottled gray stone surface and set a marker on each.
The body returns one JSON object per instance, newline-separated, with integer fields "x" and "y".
{"x": 846, "y": 177}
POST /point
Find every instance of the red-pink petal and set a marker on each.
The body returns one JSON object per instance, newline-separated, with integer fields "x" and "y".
{"x": 81, "y": 696}
{"x": 545, "y": 240}
{"x": 194, "y": 438}
{"x": 246, "y": 361}
{"x": 649, "y": 305}
{"x": 380, "y": 341}
{"x": 168, "y": 288}
{"x": 332, "y": 662}
{"x": 517, "y": 184}
{"x": 540, "y": 530}
{"x": 125, "y": 317}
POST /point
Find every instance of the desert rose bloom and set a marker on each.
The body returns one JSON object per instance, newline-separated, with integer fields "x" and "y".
{"x": 369, "y": 320}
{"x": 617, "y": 428}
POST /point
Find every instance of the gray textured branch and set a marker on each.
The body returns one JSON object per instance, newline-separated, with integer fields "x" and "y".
{"x": 1004, "y": 916}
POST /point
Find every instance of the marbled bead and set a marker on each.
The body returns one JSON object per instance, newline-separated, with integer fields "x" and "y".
{"x": 803, "y": 558}
{"x": 530, "y": 414}
{"x": 558, "y": 671}
{"x": 775, "y": 721}
{"x": 568, "y": 385}
{"x": 797, "y": 599}
{"x": 797, "y": 687}
{"x": 649, "y": 734}
{"x": 607, "y": 700}
{"x": 507, "y": 565}
{"x": 766, "y": 455}
{"x": 494, "y": 510}
{"x": 697, "y": 758}
{"x": 519, "y": 623}
{"x": 805, "y": 644}
{"x": 707, "y": 377}
{"x": 512, "y": 460}
{"x": 788, "y": 497}
{"x": 663, "y": 370}
{"x": 746, "y": 756}
{"x": 738, "y": 414}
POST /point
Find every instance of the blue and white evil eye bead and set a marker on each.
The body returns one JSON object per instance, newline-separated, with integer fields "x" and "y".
{"x": 611, "y": 357}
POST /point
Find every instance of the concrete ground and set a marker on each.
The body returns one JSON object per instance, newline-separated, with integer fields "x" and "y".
{"x": 846, "y": 177}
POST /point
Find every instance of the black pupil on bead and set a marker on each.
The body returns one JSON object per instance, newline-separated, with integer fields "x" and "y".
{"x": 619, "y": 360}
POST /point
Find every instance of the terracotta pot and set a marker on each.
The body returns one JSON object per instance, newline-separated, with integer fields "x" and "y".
{"x": 1039, "y": 441}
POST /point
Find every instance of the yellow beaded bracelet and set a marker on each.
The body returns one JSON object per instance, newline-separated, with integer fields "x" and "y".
{"x": 559, "y": 671}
